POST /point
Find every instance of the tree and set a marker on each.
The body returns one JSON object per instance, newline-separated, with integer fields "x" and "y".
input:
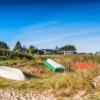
{"x": 32, "y": 49}
{"x": 18, "y": 46}
{"x": 25, "y": 49}
{"x": 3, "y": 45}
{"x": 56, "y": 51}
{"x": 56, "y": 48}
{"x": 68, "y": 48}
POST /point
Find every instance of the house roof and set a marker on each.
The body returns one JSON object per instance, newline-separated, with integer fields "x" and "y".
{"x": 48, "y": 49}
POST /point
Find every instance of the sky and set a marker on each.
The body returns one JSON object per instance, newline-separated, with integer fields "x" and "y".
{"x": 51, "y": 23}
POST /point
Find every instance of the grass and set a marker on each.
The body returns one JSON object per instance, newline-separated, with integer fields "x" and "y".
{"x": 61, "y": 84}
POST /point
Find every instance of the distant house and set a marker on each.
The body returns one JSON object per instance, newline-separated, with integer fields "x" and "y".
{"x": 67, "y": 52}
{"x": 98, "y": 53}
{"x": 47, "y": 51}
{"x": 82, "y": 53}
{"x": 21, "y": 51}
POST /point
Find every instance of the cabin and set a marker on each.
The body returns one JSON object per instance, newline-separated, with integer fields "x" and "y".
{"x": 98, "y": 53}
{"x": 67, "y": 52}
{"x": 48, "y": 51}
{"x": 21, "y": 51}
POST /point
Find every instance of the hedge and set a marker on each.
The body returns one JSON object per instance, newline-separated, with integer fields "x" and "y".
{"x": 7, "y": 54}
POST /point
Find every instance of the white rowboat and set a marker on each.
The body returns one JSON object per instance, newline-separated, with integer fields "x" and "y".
{"x": 11, "y": 73}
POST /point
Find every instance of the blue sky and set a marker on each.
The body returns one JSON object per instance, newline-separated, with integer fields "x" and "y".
{"x": 50, "y": 23}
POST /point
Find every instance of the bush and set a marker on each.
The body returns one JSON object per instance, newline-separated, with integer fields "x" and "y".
{"x": 7, "y": 54}
{"x": 8, "y": 63}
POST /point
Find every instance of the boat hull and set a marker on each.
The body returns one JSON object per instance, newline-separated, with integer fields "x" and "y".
{"x": 11, "y": 73}
{"x": 55, "y": 67}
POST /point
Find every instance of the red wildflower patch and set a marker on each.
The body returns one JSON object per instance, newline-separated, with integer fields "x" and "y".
{"x": 84, "y": 65}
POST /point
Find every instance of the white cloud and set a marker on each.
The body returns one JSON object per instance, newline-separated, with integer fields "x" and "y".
{"x": 50, "y": 34}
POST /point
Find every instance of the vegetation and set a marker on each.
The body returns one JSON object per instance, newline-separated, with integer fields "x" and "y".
{"x": 32, "y": 49}
{"x": 7, "y": 54}
{"x": 3, "y": 45}
{"x": 18, "y": 46}
{"x": 68, "y": 48}
{"x": 61, "y": 84}
{"x": 40, "y": 78}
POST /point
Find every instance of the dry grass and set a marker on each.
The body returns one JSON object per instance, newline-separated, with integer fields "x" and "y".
{"x": 61, "y": 84}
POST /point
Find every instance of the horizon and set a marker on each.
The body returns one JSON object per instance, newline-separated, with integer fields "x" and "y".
{"x": 51, "y": 23}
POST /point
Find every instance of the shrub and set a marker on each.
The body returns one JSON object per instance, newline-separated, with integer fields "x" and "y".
{"x": 7, "y": 54}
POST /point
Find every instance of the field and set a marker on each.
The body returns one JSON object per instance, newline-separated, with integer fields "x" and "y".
{"x": 66, "y": 84}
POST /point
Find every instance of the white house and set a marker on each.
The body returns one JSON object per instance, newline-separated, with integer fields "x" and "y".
{"x": 98, "y": 53}
{"x": 68, "y": 52}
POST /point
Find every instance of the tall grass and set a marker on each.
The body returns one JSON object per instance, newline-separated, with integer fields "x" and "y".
{"x": 63, "y": 84}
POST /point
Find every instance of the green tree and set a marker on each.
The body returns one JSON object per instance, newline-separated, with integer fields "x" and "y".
{"x": 57, "y": 48}
{"x": 32, "y": 49}
{"x": 25, "y": 49}
{"x": 3, "y": 45}
{"x": 18, "y": 46}
{"x": 68, "y": 48}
